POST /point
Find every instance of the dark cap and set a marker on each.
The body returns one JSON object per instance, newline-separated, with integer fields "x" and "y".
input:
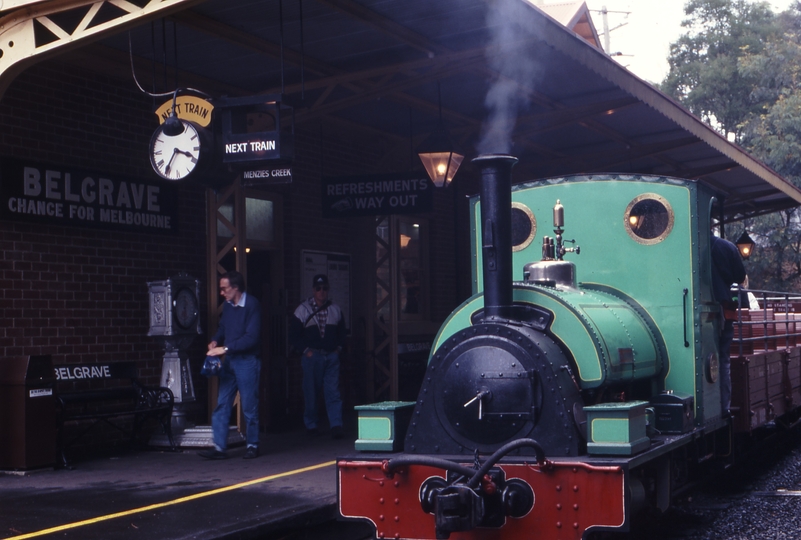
{"x": 320, "y": 279}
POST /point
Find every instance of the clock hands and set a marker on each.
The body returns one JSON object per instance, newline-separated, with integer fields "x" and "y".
{"x": 169, "y": 163}
{"x": 176, "y": 151}
{"x": 187, "y": 154}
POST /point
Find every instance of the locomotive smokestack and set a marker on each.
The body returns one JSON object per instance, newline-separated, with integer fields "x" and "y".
{"x": 496, "y": 232}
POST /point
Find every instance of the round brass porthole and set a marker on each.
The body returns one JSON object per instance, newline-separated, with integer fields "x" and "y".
{"x": 649, "y": 219}
{"x": 524, "y": 226}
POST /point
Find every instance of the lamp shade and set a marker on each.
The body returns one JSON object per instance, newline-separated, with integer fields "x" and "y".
{"x": 173, "y": 126}
{"x": 745, "y": 244}
{"x": 440, "y": 158}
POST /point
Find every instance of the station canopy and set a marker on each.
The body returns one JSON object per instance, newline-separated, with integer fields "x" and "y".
{"x": 395, "y": 67}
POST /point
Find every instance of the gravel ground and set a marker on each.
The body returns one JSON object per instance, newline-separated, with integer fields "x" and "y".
{"x": 742, "y": 503}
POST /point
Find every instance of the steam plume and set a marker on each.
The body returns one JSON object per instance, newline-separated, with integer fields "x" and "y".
{"x": 509, "y": 23}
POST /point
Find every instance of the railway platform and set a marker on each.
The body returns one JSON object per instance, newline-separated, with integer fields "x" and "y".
{"x": 167, "y": 495}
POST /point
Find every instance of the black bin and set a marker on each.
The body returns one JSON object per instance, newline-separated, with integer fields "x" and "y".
{"x": 27, "y": 412}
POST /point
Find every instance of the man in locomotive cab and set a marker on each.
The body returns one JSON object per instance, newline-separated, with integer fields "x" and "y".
{"x": 727, "y": 269}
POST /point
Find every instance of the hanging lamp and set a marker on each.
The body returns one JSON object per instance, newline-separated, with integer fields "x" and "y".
{"x": 438, "y": 152}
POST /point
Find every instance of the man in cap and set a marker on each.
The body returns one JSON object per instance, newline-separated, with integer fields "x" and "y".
{"x": 318, "y": 331}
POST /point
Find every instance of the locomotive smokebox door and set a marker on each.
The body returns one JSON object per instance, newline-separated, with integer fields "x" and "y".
{"x": 674, "y": 412}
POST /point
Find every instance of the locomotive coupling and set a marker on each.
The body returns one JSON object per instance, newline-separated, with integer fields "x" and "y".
{"x": 458, "y": 507}
{"x": 469, "y": 498}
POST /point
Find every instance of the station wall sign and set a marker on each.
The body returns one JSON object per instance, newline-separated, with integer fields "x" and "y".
{"x": 379, "y": 194}
{"x": 256, "y": 129}
{"x": 190, "y": 108}
{"x": 253, "y": 147}
{"x": 63, "y": 195}
{"x": 267, "y": 174}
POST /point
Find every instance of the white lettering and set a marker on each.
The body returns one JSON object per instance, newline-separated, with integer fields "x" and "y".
{"x": 138, "y": 195}
{"x": 235, "y": 148}
{"x": 68, "y": 195}
{"x": 123, "y": 199}
{"x": 87, "y": 192}
{"x": 106, "y": 191}
{"x": 51, "y": 185}
{"x": 369, "y": 202}
{"x": 153, "y": 199}
{"x": 31, "y": 179}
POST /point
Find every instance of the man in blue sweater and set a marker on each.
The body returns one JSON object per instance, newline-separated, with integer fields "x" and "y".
{"x": 239, "y": 339}
{"x": 318, "y": 331}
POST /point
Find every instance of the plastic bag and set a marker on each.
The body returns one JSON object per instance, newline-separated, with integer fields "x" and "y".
{"x": 211, "y": 366}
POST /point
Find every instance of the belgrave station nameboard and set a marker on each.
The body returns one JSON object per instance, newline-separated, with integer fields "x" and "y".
{"x": 377, "y": 194}
{"x": 62, "y": 195}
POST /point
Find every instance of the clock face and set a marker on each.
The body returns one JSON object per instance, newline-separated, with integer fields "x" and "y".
{"x": 185, "y": 308}
{"x": 175, "y": 157}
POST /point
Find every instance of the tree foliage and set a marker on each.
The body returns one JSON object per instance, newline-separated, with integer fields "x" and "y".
{"x": 739, "y": 66}
{"x": 704, "y": 73}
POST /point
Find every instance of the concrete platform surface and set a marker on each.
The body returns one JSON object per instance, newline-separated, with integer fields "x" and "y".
{"x": 178, "y": 495}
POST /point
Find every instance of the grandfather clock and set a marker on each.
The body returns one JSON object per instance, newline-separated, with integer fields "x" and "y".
{"x": 175, "y": 321}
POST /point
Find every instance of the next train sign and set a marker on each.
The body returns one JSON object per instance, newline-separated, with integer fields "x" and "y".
{"x": 62, "y": 195}
{"x": 403, "y": 193}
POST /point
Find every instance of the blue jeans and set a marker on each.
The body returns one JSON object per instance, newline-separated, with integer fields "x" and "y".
{"x": 321, "y": 371}
{"x": 237, "y": 374}
{"x": 724, "y": 369}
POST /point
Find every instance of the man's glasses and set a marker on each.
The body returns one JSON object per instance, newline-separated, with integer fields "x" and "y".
{"x": 319, "y": 288}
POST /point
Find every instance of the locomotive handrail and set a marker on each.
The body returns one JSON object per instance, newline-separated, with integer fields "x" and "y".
{"x": 684, "y": 318}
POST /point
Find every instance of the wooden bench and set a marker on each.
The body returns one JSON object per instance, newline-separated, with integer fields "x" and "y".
{"x": 108, "y": 393}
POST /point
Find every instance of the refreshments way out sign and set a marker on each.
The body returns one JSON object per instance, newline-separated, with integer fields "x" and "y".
{"x": 402, "y": 193}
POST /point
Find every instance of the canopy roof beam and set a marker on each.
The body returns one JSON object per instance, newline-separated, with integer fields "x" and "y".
{"x": 43, "y": 29}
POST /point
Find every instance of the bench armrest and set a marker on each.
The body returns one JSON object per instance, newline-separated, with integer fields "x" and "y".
{"x": 153, "y": 397}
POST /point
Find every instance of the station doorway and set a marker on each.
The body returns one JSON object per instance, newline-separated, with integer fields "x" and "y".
{"x": 246, "y": 234}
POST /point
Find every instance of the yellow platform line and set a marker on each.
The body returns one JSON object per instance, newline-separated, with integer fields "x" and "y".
{"x": 170, "y": 503}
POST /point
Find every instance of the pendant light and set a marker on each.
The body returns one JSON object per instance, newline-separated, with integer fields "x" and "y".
{"x": 438, "y": 153}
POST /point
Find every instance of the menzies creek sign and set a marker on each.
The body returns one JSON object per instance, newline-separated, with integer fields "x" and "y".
{"x": 58, "y": 195}
{"x": 403, "y": 193}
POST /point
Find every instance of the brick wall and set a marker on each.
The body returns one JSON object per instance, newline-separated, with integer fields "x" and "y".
{"x": 75, "y": 293}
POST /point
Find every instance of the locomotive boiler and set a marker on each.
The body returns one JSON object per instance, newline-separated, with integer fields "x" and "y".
{"x": 578, "y": 384}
